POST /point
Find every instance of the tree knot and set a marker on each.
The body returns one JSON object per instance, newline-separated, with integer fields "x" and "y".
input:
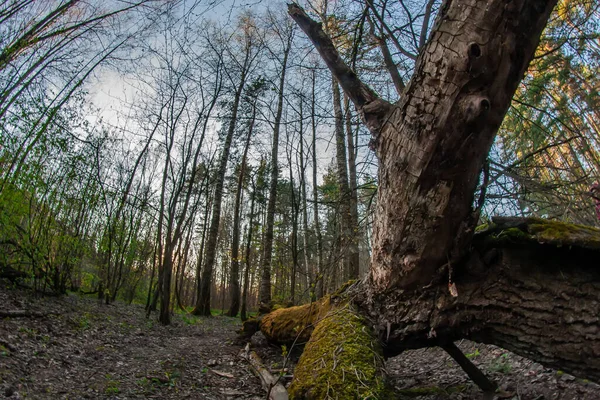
{"x": 474, "y": 107}
{"x": 375, "y": 114}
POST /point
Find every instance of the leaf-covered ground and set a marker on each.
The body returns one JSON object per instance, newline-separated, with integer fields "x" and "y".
{"x": 75, "y": 348}
{"x": 94, "y": 351}
{"x": 431, "y": 374}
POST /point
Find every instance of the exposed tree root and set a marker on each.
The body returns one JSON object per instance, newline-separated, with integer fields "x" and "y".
{"x": 470, "y": 369}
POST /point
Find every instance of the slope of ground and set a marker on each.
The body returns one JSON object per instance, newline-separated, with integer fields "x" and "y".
{"x": 82, "y": 349}
{"x": 76, "y": 348}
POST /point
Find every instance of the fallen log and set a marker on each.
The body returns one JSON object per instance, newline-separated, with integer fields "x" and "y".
{"x": 529, "y": 286}
{"x": 342, "y": 360}
{"x": 533, "y": 289}
{"x": 272, "y": 386}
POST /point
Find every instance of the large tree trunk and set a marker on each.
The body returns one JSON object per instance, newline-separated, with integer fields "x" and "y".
{"x": 531, "y": 287}
{"x": 431, "y": 147}
{"x": 432, "y": 144}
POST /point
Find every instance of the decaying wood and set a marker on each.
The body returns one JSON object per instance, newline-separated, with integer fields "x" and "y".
{"x": 294, "y": 324}
{"x": 271, "y": 384}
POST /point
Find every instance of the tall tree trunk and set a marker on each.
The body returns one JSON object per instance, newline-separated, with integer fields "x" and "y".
{"x": 165, "y": 300}
{"x": 354, "y": 249}
{"x": 307, "y": 271}
{"x": 234, "y": 284}
{"x": 203, "y": 301}
{"x": 165, "y": 265}
{"x": 348, "y": 260}
{"x": 319, "y": 270}
{"x": 265, "y": 279}
{"x": 247, "y": 264}
{"x": 200, "y": 258}
{"x": 294, "y": 235}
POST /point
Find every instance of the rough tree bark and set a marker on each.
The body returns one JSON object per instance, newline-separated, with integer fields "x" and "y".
{"x": 432, "y": 145}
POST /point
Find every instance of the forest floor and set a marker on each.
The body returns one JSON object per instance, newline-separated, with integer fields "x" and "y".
{"x": 74, "y": 348}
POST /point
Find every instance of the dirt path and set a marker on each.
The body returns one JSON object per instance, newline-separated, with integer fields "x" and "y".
{"x": 88, "y": 350}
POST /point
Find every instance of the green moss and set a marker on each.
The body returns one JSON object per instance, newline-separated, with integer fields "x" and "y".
{"x": 483, "y": 227}
{"x": 513, "y": 234}
{"x": 543, "y": 231}
{"x": 342, "y": 360}
{"x": 293, "y": 324}
{"x": 565, "y": 234}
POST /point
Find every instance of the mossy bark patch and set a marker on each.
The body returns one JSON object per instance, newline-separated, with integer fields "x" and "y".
{"x": 294, "y": 324}
{"x": 563, "y": 234}
{"x": 342, "y": 360}
{"x": 510, "y": 230}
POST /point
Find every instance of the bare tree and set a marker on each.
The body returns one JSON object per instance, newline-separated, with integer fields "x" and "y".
{"x": 249, "y": 56}
{"x": 285, "y": 33}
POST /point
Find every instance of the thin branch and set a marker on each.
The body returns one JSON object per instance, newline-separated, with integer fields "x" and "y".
{"x": 389, "y": 63}
{"x": 359, "y": 93}
{"x": 425, "y": 27}
{"x": 401, "y": 49}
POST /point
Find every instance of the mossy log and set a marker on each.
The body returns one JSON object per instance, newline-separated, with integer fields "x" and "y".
{"x": 342, "y": 360}
{"x": 507, "y": 230}
{"x": 294, "y": 324}
{"x": 528, "y": 285}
